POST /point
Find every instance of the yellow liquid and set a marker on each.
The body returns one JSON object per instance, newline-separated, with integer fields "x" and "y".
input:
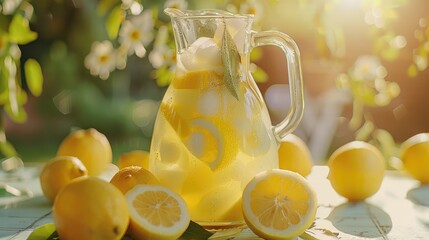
{"x": 207, "y": 145}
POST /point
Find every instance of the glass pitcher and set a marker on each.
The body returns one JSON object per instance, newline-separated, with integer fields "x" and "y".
{"x": 213, "y": 132}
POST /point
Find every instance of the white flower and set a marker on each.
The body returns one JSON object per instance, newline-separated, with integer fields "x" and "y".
{"x": 134, "y": 6}
{"x": 160, "y": 56}
{"x": 252, "y": 7}
{"x": 101, "y": 60}
{"x": 368, "y": 67}
{"x": 137, "y": 32}
{"x": 9, "y": 6}
{"x": 179, "y": 4}
{"x": 126, "y": 4}
{"x": 121, "y": 57}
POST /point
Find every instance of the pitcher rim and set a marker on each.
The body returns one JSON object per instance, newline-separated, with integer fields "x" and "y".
{"x": 208, "y": 13}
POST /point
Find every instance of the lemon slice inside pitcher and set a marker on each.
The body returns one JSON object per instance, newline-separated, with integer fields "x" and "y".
{"x": 212, "y": 141}
{"x": 175, "y": 119}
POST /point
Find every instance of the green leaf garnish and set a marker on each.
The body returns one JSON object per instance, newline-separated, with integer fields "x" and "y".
{"x": 195, "y": 232}
{"x": 231, "y": 63}
{"x": 48, "y": 232}
{"x": 44, "y": 232}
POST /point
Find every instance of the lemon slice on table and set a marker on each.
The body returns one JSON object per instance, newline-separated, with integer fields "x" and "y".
{"x": 156, "y": 212}
{"x": 213, "y": 141}
{"x": 279, "y": 204}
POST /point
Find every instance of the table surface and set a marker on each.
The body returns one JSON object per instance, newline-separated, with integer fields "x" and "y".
{"x": 399, "y": 210}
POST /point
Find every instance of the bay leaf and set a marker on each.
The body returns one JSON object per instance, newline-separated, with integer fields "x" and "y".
{"x": 231, "y": 63}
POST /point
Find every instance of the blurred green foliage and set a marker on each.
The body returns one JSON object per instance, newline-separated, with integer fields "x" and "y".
{"x": 44, "y": 45}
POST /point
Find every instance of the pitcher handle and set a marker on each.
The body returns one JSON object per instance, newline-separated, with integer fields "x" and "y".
{"x": 292, "y": 55}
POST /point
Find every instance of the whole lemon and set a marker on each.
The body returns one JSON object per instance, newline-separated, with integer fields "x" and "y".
{"x": 90, "y": 208}
{"x": 134, "y": 158}
{"x": 356, "y": 170}
{"x": 294, "y": 155}
{"x": 59, "y": 172}
{"x": 90, "y": 146}
{"x": 128, "y": 177}
{"x": 415, "y": 156}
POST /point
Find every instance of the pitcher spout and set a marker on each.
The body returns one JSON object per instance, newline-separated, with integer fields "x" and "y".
{"x": 174, "y": 12}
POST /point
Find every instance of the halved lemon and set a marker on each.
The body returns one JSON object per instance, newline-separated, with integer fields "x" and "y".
{"x": 156, "y": 212}
{"x": 279, "y": 204}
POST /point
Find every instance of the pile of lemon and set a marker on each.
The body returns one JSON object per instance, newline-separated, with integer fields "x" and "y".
{"x": 356, "y": 169}
{"x": 276, "y": 204}
{"x": 134, "y": 202}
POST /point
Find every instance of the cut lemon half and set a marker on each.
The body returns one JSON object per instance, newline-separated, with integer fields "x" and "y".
{"x": 156, "y": 212}
{"x": 279, "y": 204}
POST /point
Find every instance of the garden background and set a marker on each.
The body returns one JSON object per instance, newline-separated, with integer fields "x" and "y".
{"x": 67, "y": 64}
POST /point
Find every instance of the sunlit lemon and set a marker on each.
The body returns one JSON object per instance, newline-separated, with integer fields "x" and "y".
{"x": 415, "y": 157}
{"x": 134, "y": 158}
{"x": 156, "y": 212}
{"x": 90, "y": 146}
{"x": 356, "y": 170}
{"x": 128, "y": 177}
{"x": 90, "y": 208}
{"x": 279, "y": 204}
{"x": 213, "y": 141}
{"x": 59, "y": 172}
{"x": 294, "y": 155}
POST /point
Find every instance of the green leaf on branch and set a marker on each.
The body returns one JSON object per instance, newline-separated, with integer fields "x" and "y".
{"x": 19, "y": 30}
{"x": 114, "y": 21}
{"x": 17, "y": 114}
{"x": 163, "y": 76}
{"x": 105, "y": 5}
{"x": 364, "y": 133}
{"x": 33, "y": 74}
{"x": 7, "y": 149}
{"x": 260, "y": 75}
{"x": 412, "y": 71}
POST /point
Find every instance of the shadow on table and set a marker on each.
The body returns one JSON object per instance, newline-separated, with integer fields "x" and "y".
{"x": 361, "y": 219}
{"x": 420, "y": 197}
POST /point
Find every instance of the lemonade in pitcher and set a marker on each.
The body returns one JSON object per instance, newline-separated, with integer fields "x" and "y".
{"x": 213, "y": 132}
